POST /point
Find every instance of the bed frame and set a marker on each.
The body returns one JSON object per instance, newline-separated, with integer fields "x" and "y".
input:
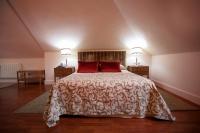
{"x": 103, "y": 56}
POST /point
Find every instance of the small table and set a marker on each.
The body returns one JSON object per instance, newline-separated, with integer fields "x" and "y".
{"x": 30, "y": 75}
{"x": 60, "y": 72}
{"x": 140, "y": 70}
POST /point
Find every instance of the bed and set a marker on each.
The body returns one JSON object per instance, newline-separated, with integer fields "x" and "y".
{"x": 106, "y": 94}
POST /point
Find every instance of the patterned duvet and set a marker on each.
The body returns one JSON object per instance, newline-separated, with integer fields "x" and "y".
{"x": 122, "y": 94}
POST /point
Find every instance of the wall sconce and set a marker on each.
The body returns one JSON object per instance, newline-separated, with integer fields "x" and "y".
{"x": 66, "y": 51}
{"x": 136, "y": 51}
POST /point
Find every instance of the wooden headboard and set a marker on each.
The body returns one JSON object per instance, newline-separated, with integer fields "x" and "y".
{"x": 103, "y": 56}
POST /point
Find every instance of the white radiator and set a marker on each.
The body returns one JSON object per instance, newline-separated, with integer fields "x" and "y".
{"x": 9, "y": 70}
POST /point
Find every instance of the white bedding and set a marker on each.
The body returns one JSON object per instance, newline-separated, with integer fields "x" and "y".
{"x": 106, "y": 94}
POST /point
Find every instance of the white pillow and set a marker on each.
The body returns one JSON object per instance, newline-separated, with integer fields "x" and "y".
{"x": 122, "y": 67}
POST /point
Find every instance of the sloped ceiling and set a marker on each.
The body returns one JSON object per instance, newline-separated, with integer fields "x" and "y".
{"x": 15, "y": 40}
{"x": 30, "y": 27}
{"x": 171, "y": 26}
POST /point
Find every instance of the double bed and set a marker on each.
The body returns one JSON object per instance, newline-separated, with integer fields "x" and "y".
{"x": 106, "y": 94}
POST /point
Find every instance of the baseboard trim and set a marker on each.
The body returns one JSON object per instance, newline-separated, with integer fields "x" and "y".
{"x": 181, "y": 93}
{"x": 8, "y": 80}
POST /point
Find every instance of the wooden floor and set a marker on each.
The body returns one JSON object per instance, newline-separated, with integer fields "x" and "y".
{"x": 12, "y": 98}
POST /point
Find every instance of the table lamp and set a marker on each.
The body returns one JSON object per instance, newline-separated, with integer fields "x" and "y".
{"x": 136, "y": 51}
{"x": 66, "y": 51}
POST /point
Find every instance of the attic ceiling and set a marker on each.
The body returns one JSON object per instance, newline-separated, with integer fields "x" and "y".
{"x": 28, "y": 28}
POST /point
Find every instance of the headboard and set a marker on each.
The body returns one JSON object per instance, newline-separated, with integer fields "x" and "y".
{"x": 103, "y": 56}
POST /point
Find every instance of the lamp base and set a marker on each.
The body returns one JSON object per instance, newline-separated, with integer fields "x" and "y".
{"x": 136, "y": 62}
{"x": 66, "y": 62}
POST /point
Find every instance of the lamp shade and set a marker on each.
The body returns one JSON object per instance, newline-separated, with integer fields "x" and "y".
{"x": 136, "y": 51}
{"x": 66, "y": 51}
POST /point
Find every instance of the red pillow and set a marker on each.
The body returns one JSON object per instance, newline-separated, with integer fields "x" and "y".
{"x": 87, "y": 67}
{"x": 110, "y": 67}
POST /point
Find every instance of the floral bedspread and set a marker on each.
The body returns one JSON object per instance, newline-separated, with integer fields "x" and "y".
{"x": 105, "y": 94}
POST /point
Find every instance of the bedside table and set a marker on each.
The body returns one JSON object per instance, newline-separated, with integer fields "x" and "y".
{"x": 60, "y": 72}
{"x": 140, "y": 70}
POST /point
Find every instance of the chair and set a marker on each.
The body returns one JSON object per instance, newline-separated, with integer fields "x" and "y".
{"x": 21, "y": 78}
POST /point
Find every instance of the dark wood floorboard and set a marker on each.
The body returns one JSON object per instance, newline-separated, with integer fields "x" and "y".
{"x": 12, "y": 98}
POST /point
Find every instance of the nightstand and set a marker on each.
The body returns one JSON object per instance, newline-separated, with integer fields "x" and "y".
{"x": 140, "y": 70}
{"x": 60, "y": 72}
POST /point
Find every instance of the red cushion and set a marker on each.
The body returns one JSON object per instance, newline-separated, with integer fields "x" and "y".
{"x": 110, "y": 67}
{"x": 87, "y": 67}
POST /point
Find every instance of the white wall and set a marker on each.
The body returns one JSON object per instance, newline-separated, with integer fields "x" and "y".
{"x": 27, "y": 64}
{"x": 178, "y": 73}
{"x": 53, "y": 59}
